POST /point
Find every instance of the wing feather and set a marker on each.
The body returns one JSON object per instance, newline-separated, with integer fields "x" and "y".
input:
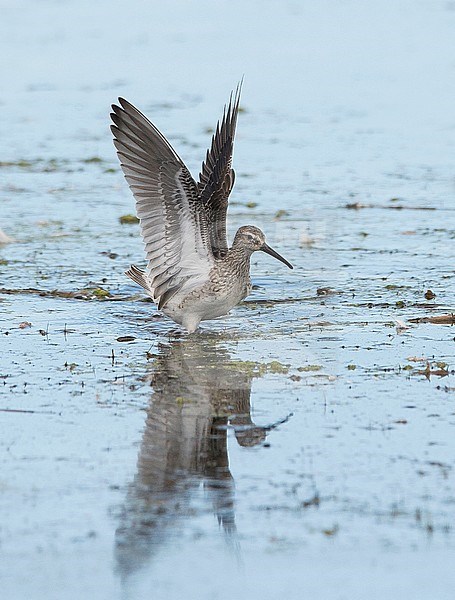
{"x": 173, "y": 220}
{"x": 217, "y": 177}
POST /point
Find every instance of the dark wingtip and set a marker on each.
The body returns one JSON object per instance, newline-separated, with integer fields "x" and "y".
{"x": 116, "y": 112}
{"x": 124, "y": 103}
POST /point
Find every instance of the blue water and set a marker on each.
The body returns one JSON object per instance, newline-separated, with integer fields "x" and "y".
{"x": 300, "y": 448}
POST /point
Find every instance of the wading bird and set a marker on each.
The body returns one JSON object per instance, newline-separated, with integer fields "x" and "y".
{"x": 191, "y": 273}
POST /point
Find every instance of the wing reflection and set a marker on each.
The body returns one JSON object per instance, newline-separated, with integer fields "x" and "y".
{"x": 198, "y": 392}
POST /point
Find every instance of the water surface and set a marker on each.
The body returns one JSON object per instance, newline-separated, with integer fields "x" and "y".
{"x": 301, "y": 446}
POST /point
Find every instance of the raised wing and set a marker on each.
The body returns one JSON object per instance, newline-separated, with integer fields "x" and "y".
{"x": 173, "y": 222}
{"x": 216, "y": 178}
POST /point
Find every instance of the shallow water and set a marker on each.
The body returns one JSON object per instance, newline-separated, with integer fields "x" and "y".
{"x": 301, "y": 446}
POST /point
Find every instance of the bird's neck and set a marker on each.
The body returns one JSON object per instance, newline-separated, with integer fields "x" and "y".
{"x": 239, "y": 255}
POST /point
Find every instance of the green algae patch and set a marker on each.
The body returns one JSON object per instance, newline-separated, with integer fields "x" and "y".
{"x": 92, "y": 159}
{"x": 37, "y": 165}
{"x": 23, "y": 164}
{"x": 87, "y": 294}
{"x": 128, "y": 219}
{"x": 100, "y": 293}
{"x": 181, "y": 400}
{"x": 308, "y": 368}
{"x": 276, "y": 367}
{"x": 280, "y": 214}
{"x": 255, "y": 369}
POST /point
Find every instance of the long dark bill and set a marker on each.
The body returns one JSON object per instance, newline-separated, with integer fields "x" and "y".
{"x": 265, "y": 248}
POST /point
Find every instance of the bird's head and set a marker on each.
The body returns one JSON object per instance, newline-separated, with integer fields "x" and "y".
{"x": 252, "y": 239}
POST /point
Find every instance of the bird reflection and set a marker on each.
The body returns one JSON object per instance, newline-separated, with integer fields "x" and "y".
{"x": 198, "y": 392}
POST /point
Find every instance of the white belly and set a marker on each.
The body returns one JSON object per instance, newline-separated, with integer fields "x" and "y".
{"x": 190, "y": 308}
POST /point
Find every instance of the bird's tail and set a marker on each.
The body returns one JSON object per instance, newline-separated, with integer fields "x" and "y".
{"x": 140, "y": 278}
